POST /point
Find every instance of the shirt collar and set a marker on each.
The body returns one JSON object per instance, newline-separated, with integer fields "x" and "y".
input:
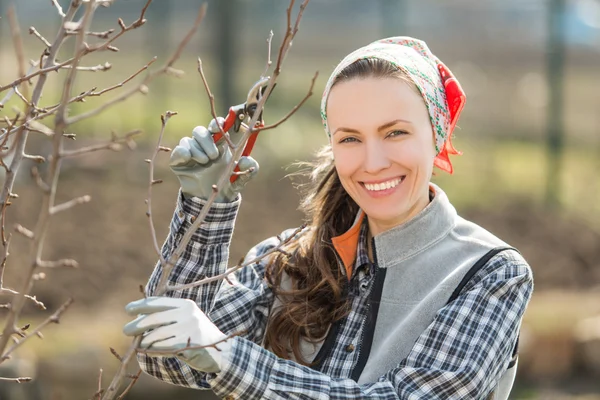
{"x": 428, "y": 226}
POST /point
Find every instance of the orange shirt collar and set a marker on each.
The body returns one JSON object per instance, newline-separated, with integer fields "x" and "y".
{"x": 346, "y": 244}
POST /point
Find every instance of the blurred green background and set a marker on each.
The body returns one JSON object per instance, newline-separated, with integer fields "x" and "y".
{"x": 529, "y": 134}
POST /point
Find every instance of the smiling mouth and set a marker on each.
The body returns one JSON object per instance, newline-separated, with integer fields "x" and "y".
{"x": 377, "y": 187}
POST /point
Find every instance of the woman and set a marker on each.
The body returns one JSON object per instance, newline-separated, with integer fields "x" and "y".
{"x": 389, "y": 295}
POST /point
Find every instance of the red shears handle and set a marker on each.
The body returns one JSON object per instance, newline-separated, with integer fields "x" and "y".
{"x": 247, "y": 149}
{"x": 229, "y": 121}
{"x": 228, "y": 124}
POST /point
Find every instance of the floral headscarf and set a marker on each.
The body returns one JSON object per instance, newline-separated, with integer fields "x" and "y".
{"x": 441, "y": 91}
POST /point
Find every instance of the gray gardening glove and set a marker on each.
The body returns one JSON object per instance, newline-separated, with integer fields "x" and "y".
{"x": 177, "y": 327}
{"x": 198, "y": 163}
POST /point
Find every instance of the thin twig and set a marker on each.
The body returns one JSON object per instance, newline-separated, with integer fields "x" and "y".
{"x": 44, "y": 71}
{"x": 135, "y": 24}
{"x": 34, "y": 32}
{"x": 98, "y": 394}
{"x": 27, "y": 102}
{"x": 120, "y": 84}
{"x": 102, "y": 146}
{"x": 269, "y": 62}
{"x": 59, "y": 8}
{"x": 293, "y": 110}
{"x": 178, "y": 351}
{"x": 65, "y": 263}
{"x": 6, "y": 245}
{"x": 211, "y": 99}
{"x": 164, "y": 120}
{"x": 100, "y": 67}
{"x": 299, "y": 231}
{"x": 18, "y": 43}
{"x": 101, "y": 35}
{"x": 128, "y": 388}
{"x": 70, "y": 204}
{"x": 18, "y": 380}
{"x": 53, "y": 319}
{"x": 5, "y": 291}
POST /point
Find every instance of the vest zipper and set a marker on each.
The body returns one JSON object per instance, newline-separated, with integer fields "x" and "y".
{"x": 364, "y": 350}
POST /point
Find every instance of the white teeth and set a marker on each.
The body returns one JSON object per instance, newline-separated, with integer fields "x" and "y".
{"x": 383, "y": 186}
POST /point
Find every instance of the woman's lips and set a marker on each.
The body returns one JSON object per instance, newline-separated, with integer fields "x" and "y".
{"x": 382, "y": 188}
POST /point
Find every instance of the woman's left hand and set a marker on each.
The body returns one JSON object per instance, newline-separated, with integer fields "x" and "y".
{"x": 177, "y": 327}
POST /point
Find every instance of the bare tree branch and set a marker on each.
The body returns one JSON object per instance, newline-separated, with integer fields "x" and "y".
{"x": 211, "y": 99}
{"x": 18, "y": 380}
{"x": 53, "y": 171}
{"x": 21, "y": 134}
{"x": 70, "y": 204}
{"x": 18, "y": 43}
{"x": 269, "y": 62}
{"x": 5, "y": 291}
{"x": 134, "y": 379}
{"x": 100, "y": 67}
{"x": 65, "y": 263}
{"x": 43, "y": 71}
{"x": 164, "y": 120}
{"x": 112, "y": 145}
{"x": 135, "y": 24}
{"x": 59, "y": 8}
{"x": 34, "y": 32}
{"x": 53, "y": 319}
{"x": 293, "y": 110}
{"x": 189, "y": 347}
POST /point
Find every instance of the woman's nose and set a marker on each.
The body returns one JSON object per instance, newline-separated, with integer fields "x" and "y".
{"x": 376, "y": 158}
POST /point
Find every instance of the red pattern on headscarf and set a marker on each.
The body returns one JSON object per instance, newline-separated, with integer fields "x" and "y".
{"x": 456, "y": 99}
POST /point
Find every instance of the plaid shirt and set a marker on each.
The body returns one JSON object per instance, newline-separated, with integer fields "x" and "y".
{"x": 460, "y": 336}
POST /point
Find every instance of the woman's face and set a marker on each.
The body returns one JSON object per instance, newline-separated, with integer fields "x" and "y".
{"x": 383, "y": 147}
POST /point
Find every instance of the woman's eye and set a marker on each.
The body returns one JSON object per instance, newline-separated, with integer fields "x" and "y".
{"x": 397, "y": 133}
{"x": 349, "y": 140}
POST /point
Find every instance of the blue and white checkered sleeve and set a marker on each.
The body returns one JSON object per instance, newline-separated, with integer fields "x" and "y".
{"x": 242, "y": 305}
{"x": 462, "y": 354}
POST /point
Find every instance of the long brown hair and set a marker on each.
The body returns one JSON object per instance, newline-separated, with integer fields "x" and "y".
{"x": 316, "y": 298}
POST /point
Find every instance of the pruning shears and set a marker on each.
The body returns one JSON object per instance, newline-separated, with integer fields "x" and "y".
{"x": 243, "y": 113}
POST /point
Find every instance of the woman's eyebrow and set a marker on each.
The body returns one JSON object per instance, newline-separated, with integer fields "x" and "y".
{"x": 391, "y": 123}
{"x": 381, "y": 128}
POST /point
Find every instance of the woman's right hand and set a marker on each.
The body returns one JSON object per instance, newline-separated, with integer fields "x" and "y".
{"x": 198, "y": 162}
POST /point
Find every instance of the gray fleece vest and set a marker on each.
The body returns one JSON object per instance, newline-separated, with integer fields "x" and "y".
{"x": 422, "y": 263}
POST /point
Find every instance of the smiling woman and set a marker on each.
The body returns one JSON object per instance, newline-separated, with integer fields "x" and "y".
{"x": 389, "y": 294}
{"x": 384, "y": 158}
